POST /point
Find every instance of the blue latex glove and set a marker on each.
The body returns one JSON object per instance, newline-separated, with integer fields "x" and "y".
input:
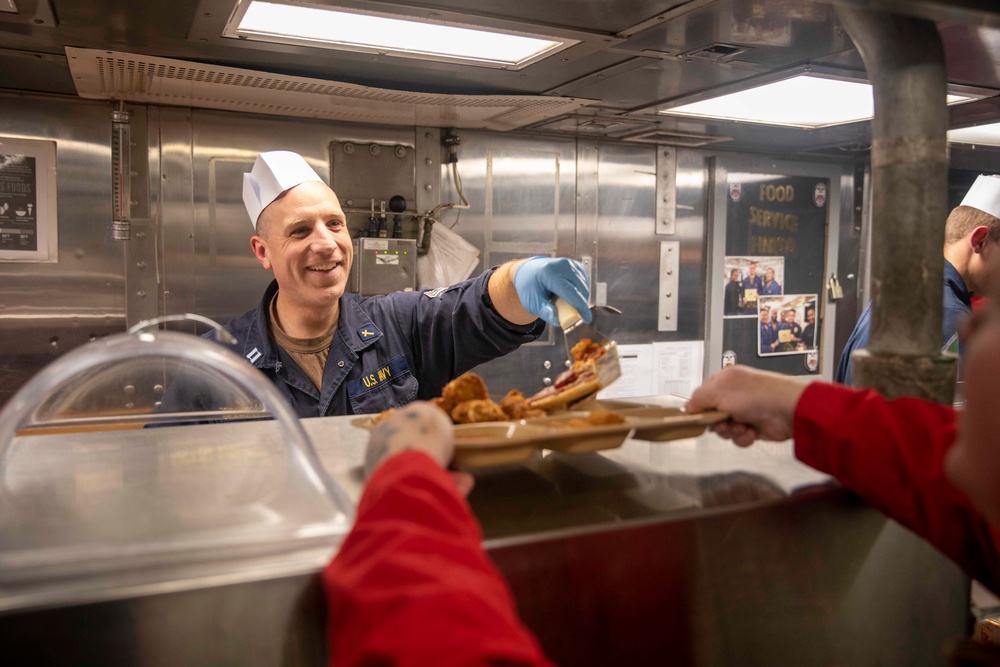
{"x": 541, "y": 279}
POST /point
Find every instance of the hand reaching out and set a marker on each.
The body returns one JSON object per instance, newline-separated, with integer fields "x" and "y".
{"x": 418, "y": 426}
{"x": 761, "y": 405}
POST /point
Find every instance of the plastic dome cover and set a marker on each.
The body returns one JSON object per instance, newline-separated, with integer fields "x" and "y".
{"x": 152, "y": 459}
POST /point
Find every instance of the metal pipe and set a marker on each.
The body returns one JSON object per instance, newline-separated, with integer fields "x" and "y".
{"x": 121, "y": 177}
{"x": 905, "y": 62}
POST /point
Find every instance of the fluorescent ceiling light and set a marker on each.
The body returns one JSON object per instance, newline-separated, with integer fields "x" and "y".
{"x": 372, "y": 33}
{"x": 803, "y": 101}
{"x": 983, "y": 135}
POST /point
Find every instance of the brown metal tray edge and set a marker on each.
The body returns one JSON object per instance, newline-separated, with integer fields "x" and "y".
{"x": 505, "y": 442}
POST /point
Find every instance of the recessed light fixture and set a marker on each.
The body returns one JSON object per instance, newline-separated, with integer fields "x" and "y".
{"x": 383, "y": 34}
{"x": 803, "y": 101}
{"x": 982, "y": 135}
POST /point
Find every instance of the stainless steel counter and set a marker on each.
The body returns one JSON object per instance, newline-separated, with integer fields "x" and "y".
{"x": 685, "y": 552}
{"x": 638, "y": 481}
{"x": 696, "y": 551}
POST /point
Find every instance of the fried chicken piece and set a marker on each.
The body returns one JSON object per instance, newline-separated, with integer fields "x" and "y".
{"x": 466, "y": 387}
{"x": 585, "y": 350}
{"x": 477, "y": 410}
{"x": 604, "y": 417}
{"x": 516, "y": 406}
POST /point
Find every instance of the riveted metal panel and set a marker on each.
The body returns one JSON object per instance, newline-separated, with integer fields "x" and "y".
{"x": 47, "y": 309}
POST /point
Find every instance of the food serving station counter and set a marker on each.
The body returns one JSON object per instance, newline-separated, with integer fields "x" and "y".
{"x": 130, "y": 535}
{"x": 689, "y": 551}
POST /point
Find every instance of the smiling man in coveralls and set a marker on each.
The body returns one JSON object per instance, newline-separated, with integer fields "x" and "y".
{"x": 334, "y": 353}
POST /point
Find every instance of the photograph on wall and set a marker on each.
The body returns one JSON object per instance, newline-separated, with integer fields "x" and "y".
{"x": 786, "y": 324}
{"x": 27, "y": 201}
{"x": 747, "y": 280}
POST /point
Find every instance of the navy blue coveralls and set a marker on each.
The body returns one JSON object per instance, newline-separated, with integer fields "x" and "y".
{"x": 387, "y": 350}
{"x": 957, "y": 304}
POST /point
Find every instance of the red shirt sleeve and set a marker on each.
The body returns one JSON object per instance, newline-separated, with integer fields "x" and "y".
{"x": 411, "y": 584}
{"x": 892, "y": 454}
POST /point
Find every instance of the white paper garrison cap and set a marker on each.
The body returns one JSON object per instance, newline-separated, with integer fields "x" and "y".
{"x": 985, "y": 195}
{"x": 273, "y": 173}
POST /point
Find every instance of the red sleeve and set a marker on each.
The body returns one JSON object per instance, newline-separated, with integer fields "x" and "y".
{"x": 892, "y": 454}
{"x": 411, "y": 584}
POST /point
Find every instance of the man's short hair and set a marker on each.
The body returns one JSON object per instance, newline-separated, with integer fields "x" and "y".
{"x": 963, "y": 219}
{"x": 261, "y": 226}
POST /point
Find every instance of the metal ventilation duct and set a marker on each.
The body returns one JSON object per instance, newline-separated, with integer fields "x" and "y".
{"x": 137, "y": 78}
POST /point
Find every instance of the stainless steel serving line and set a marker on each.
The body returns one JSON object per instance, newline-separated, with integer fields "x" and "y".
{"x": 685, "y": 552}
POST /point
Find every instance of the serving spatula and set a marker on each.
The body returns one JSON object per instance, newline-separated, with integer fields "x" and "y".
{"x": 608, "y": 366}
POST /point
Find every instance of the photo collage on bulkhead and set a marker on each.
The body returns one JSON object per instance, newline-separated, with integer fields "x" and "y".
{"x": 755, "y": 287}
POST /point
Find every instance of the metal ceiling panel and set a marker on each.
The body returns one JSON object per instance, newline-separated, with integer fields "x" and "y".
{"x": 35, "y": 72}
{"x": 773, "y": 32}
{"x": 635, "y": 56}
{"x": 651, "y": 81}
{"x": 983, "y": 12}
{"x": 973, "y": 54}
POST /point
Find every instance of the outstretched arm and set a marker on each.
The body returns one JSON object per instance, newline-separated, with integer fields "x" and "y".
{"x": 761, "y": 405}
{"x": 522, "y": 291}
{"x": 411, "y": 584}
{"x": 891, "y": 453}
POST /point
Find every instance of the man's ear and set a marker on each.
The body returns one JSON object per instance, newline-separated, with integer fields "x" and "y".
{"x": 979, "y": 237}
{"x": 260, "y": 251}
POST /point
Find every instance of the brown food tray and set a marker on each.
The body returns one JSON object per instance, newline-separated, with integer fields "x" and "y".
{"x": 495, "y": 443}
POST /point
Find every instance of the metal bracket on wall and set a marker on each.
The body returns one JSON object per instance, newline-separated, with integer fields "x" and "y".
{"x": 666, "y": 189}
{"x": 142, "y": 285}
{"x": 140, "y": 235}
{"x": 670, "y": 264}
{"x": 588, "y": 266}
{"x": 427, "y": 170}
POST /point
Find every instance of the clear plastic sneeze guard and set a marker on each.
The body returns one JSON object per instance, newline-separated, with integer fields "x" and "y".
{"x": 155, "y": 462}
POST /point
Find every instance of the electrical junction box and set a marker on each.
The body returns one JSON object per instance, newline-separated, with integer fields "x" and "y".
{"x": 383, "y": 266}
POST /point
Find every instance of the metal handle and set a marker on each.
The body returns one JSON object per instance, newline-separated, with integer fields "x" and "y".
{"x": 220, "y": 333}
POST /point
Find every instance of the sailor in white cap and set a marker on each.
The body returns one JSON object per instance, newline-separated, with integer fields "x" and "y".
{"x": 272, "y": 175}
{"x": 972, "y": 235}
{"x": 334, "y": 353}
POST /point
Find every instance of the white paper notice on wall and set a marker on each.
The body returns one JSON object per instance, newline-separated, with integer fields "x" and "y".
{"x": 678, "y": 367}
{"x": 656, "y": 369}
{"x": 636, "y": 379}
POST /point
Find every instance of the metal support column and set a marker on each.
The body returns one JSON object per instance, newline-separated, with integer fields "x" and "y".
{"x": 905, "y": 62}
